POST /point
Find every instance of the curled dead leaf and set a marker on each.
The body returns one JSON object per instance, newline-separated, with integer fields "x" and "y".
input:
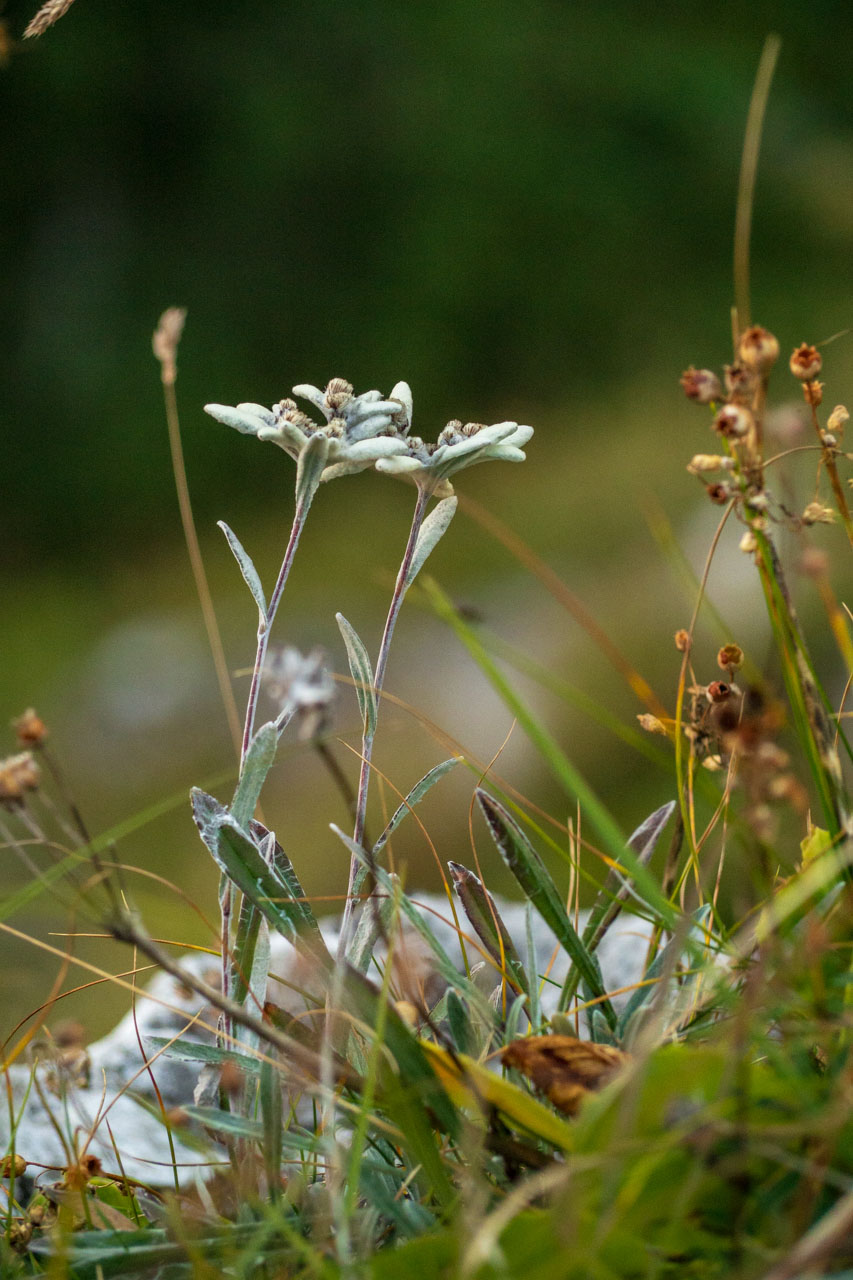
{"x": 566, "y": 1070}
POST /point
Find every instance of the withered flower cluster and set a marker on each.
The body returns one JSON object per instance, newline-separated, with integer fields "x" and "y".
{"x": 738, "y": 402}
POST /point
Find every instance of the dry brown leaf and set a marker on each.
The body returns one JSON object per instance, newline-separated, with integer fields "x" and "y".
{"x": 566, "y": 1070}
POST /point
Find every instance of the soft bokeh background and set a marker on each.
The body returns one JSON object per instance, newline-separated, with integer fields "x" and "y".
{"x": 523, "y": 208}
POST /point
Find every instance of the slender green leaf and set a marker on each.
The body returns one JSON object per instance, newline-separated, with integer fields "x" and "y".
{"x": 443, "y": 963}
{"x": 432, "y": 531}
{"x": 257, "y": 764}
{"x": 692, "y": 942}
{"x": 362, "y": 674}
{"x": 236, "y": 854}
{"x": 247, "y": 569}
{"x": 282, "y": 867}
{"x": 531, "y": 873}
{"x": 417, "y": 793}
{"x": 271, "y": 1118}
{"x": 616, "y": 889}
{"x": 411, "y": 1093}
{"x": 229, "y": 1123}
{"x": 564, "y": 771}
{"x": 479, "y": 906}
{"x": 376, "y": 919}
{"x": 459, "y": 1021}
{"x": 193, "y": 1051}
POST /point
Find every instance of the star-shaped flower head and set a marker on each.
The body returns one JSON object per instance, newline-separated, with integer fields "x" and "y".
{"x": 358, "y": 430}
{"x": 303, "y": 687}
{"x": 430, "y": 466}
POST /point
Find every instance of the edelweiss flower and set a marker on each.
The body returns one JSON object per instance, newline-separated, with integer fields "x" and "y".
{"x": 430, "y": 466}
{"x": 303, "y": 686}
{"x": 359, "y": 429}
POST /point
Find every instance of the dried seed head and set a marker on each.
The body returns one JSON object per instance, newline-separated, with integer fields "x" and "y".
{"x": 718, "y": 493}
{"x": 165, "y": 341}
{"x": 758, "y": 349}
{"x": 740, "y": 381}
{"x": 837, "y": 419}
{"x": 718, "y": 691}
{"x": 652, "y": 724}
{"x": 817, "y": 513}
{"x": 30, "y": 728}
{"x": 730, "y": 658}
{"x": 733, "y": 421}
{"x": 813, "y": 393}
{"x": 701, "y": 462}
{"x": 18, "y": 774}
{"x": 805, "y": 362}
{"x": 682, "y": 640}
{"x": 10, "y": 1168}
{"x": 701, "y": 385}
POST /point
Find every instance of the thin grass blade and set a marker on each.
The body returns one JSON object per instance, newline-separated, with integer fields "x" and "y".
{"x": 479, "y": 906}
{"x": 538, "y": 887}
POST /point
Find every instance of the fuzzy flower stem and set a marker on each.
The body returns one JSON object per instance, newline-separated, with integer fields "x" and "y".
{"x": 226, "y": 901}
{"x": 400, "y": 587}
{"x": 265, "y": 625}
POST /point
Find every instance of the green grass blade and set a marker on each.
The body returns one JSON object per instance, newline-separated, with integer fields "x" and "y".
{"x": 612, "y": 839}
{"x": 539, "y": 889}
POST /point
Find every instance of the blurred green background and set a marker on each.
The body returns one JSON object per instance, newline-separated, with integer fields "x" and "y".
{"x": 523, "y": 208}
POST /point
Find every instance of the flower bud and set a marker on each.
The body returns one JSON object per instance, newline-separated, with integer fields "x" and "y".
{"x": 701, "y": 385}
{"x": 733, "y": 421}
{"x": 806, "y": 362}
{"x": 758, "y": 349}
{"x": 813, "y": 393}
{"x": 748, "y": 543}
{"x": 682, "y": 640}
